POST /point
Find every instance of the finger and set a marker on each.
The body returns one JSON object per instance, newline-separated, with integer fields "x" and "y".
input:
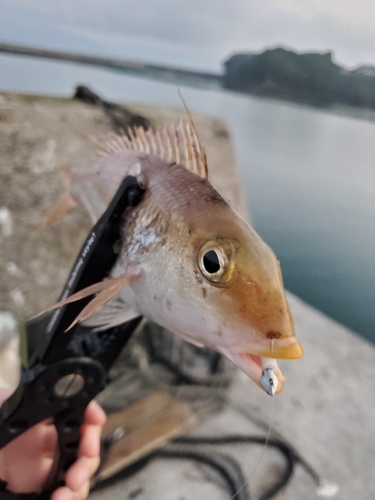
{"x": 90, "y": 441}
{"x": 80, "y": 472}
{"x": 66, "y": 493}
{"x": 83, "y": 492}
{"x": 62, "y": 493}
{"x": 88, "y": 462}
{"x": 94, "y": 414}
{"x": 26, "y": 460}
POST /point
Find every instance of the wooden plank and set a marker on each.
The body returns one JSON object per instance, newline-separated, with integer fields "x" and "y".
{"x": 147, "y": 425}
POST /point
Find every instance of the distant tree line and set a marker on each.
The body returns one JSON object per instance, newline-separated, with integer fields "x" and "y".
{"x": 311, "y": 77}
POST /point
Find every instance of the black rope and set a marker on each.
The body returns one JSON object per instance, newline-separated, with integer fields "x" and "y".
{"x": 226, "y": 466}
{"x": 290, "y": 457}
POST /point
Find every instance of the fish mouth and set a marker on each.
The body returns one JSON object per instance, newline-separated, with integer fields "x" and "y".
{"x": 262, "y": 370}
{"x": 258, "y": 360}
{"x": 284, "y": 348}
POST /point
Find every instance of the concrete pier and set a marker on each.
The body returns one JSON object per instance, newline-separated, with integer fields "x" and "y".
{"x": 327, "y": 409}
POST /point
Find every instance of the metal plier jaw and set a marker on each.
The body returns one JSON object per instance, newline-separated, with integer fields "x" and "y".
{"x": 67, "y": 369}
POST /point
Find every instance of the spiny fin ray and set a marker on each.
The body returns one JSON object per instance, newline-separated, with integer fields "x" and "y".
{"x": 174, "y": 144}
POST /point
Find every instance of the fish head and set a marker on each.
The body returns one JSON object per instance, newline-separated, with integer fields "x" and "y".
{"x": 243, "y": 296}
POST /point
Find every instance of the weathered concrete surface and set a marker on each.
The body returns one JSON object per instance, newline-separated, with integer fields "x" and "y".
{"x": 38, "y": 135}
{"x": 327, "y": 409}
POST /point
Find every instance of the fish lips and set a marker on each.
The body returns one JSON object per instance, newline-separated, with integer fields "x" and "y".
{"x": 283, "y": 348}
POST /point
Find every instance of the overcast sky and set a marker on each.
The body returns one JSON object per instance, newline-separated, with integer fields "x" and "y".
{"x": 193, "y": 33}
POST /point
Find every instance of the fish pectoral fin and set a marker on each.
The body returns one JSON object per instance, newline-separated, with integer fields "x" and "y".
{"x": 197, "y": 344}
{"x": 59, "y": 209}
{"x": 190, "y": 340}
{"x": 106, "y": 291}
{"x": 110, "y": 315}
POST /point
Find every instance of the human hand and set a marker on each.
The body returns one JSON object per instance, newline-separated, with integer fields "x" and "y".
{"x": 25, "y": 462}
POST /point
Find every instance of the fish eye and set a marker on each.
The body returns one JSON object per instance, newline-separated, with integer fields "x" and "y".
{"x": 213, "y": 262}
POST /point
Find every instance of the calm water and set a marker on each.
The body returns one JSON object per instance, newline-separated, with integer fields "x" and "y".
{"x": 309, "y": 178}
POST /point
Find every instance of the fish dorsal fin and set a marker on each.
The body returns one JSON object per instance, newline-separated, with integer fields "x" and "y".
{"x": 175, "y": 144}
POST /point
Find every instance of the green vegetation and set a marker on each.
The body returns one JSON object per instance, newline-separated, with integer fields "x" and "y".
{"x": 312, "y": 78}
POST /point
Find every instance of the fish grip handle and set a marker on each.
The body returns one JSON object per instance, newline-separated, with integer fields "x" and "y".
{"x": 74, "y": 382}
{"x": 66, "y": 371}
{"x": 88, "y": 378}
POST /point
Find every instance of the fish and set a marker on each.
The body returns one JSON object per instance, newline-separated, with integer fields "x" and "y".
{"x": 187, "y": 259}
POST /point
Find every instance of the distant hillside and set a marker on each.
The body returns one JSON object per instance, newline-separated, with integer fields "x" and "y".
{"x": 311, "y": 77}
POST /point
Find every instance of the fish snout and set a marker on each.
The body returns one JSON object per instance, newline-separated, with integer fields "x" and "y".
{"x": 271, "y": 335}
{"x": 276, "y": 334}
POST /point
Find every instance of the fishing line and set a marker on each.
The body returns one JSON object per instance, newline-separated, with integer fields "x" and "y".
{"x": 247, "y": 478}
{"x": 324, "y": 488}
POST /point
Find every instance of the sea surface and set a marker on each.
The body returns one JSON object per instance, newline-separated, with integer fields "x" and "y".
{"x": 308, "y": 175}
